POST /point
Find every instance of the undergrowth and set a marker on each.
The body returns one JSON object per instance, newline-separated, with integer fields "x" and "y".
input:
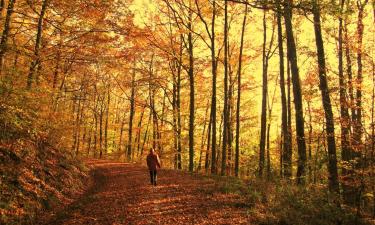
{"x": 275, "y": 202}
{"x": 37, "y": 174}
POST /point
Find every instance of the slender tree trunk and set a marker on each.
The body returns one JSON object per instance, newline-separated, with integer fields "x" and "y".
{"x": 96, "y": 99}
{"x": 349, "y": 73}
{"x": 57, "y": 64}
{"x": 263, "y": 123}
{"x": 344, "y": 113}
{"x": 178, "y": 102}
{"x": 230, "y": 123}
{"x": 4, "y": 36}
{"x": 192, "y": 93}
{"x": 226, "y": 107}
{"x": 292, "y": 56}
{"x": 36, "y": 58}
{"x": 131, "y": 116}
{"x": 174, "y": 109}
{"x": 373, "y": 130}
{"x": 75, "y": 117}
{"x": 107, "y": 120}
{"x": 289, "y": 152}
{"x": 2, "y": 5}
{"x": 309, "y": 145}
{"x": 160, "y": 129}
{"x": 121, "y": 134}
{"x": 207, "y": 159}
{"x": 146, "y": 133}
{"x": 89, "y": 142}
{"x": 286, "y": 160}
{"x": 332, "y": 158}
{"x": 101, "y": 131}
{"x": 203, "y": 137}
{"x": 213, "y": 101}
{"x": 268, "y": 152}
{"x": 139, "y": 129}
{"x": 357, "y": 123}
{"x": 239, "y": 72}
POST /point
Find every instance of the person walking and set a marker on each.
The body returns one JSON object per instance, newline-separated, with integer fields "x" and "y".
{"x": 153, "y": 163}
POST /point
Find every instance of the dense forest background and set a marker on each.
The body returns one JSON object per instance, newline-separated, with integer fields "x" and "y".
{"x": 279, "y": 91}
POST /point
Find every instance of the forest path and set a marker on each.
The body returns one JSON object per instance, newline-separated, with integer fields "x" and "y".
{"x": 121, "y": 194}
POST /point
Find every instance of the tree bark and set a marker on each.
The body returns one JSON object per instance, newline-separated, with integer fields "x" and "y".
{"x": 107, "y": 120}
{"x": 263, "y": 128}
{"x": 239, "y": 72}
{"x": 213, "y": 101}
{"x": 36, "y": 58}
{"x": 131, "y": 116}
{"x": 192, "y": 93}
{"x": 323, "y": 85}
{"x": 292, "y": 56}
{"x": 286, "y": 159}
{"x": 5, "y": 34}
{"x": 226, "y": 108}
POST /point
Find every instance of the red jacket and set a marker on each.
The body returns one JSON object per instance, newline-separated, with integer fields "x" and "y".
{"x": 153, "y": 161}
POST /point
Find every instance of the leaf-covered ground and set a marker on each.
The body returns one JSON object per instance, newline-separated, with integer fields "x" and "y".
{"x": 121, "y": 194}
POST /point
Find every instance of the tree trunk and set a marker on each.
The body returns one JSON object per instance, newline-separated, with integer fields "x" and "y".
{"x": 345, "y": 120}
{"x": 131, "y": 116}
{"x": 121, "y": 134}
{"x": 239, "y": 72}
{"x": 309, "y": 145}
{"x": 36, "y": 58}
{"x": 101, "y": 131}
{"x": 192, "y": 93}
{"x": 107, "y": 120}
{"x": 262, "y": 141}
{"x": 178, "y": 102}
{"x": 226, "y": 107}
{"x": 4, "y": 36}
{"x": 203, "y": 137}
{"x": 207, "y": 159}
{"x": 213, "y": 101}
{"x": 330, "y": 127}
{"x": 292, "y": 56}
{"x": 139, "y": 128}
{"x": 286, "y": 156}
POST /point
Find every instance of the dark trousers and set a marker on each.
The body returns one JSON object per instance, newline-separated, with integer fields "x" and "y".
{"x": 153, "y": 177}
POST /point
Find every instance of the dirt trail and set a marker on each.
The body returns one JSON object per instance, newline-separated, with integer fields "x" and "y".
{"x": 121, "y": 194}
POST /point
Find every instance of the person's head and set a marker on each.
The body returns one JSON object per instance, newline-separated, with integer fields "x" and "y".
{"x": 152, "y": 151}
